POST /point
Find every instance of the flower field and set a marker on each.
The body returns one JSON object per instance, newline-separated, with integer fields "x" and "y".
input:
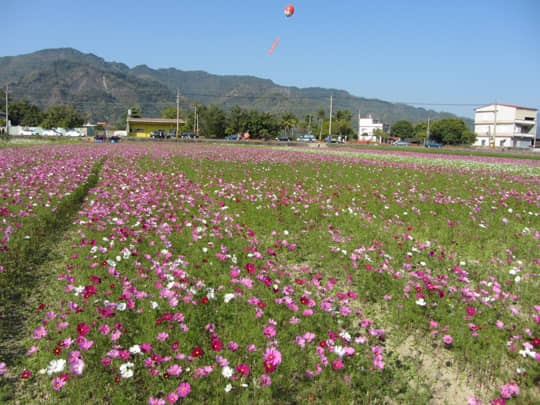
{"x": 225, "y": 274}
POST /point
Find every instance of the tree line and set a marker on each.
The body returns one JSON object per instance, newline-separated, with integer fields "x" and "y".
{"x": 214, "y": 122}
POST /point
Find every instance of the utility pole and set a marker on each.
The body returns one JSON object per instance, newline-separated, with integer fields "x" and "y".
{"x": 330, "y": 125}
{"x": 427, "y": 132}
{"x": 177, "y": 112}
{"x": 195, "y": 120}
{"x": 359, "y": 130}
{"x": 7, "y": 111}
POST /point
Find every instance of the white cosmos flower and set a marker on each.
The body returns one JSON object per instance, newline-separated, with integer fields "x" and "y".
{"x": 154, "y": 305}
{"x": 136, "y": 349}
{"x": 228, "y": 387}
{"x": 56, "y": 366}
{"x": 126, "y": 370}
{"x": 346, "y": 335}
{"x": 228, "y": 297}
{"x": 78, "y": 289}
{"x": 227, "y": 372}
{"x": 339, "y": 350}
{"x": 121, "y": 307}
{"x": 421, "y": 302}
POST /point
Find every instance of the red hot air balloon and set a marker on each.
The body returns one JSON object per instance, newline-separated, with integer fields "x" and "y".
{"x": 289, "y": 10}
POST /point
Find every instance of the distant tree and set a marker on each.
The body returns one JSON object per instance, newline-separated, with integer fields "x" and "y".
{"x": 343, "y": 115}
{"x": 288, "y": 121}
{"x": 63, "y": 116}
{"x": 21, "y": 112}
{"x": 420, "y": 130}
{"x": 237, "y": 121}
{"x": 451, "y": 131}
{"x": 379, "y": 133}
{"x": 170, "y": 112}
{"x": 403, "y": 129}
{"x": 212, "y": 121}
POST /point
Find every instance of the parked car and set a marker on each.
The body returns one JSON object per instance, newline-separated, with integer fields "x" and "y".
{"x": 28, "y": 132}
{"x": 73, "y": 132}
{"x": 51, "y": 132}
{"x": 306, "y": 138}
{"x": 284, "y": 138}
{"x": 159, "y": 134}
{"x": 401, "y": 143}
{"x": 233, "y": 137}
{"x": 189, "y": 135}
{"x": 433, "y": 144}
{"x": 330, "y": 139}
{"x": 172, "y": 133}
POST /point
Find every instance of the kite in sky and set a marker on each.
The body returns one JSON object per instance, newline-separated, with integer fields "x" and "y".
{"x": 289, "y": 11}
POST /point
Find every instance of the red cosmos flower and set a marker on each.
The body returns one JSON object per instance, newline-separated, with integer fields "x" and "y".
{"x": 41, "y": 307}
{"x": 174, "y": 346}
{"x": 536, "y": 342}
{"x": 118, "y": 378}
{"x": 250, "y": 268}
{"x": 304, "y": 300}
{"x": 57, "y": 351}
{"x": 83, "y": 329}
{"x": 95, "y": 279}
{"x": 26, "y": 374}
{"x": 197, "y": 352}
{"x": 242, "y": 369}
{"x": 261, "y": 304}
{"x": 216, "y": 344}
{"x": 64, "y": 376}
{"x": 204, "y": 300}
{"x": 269, "y": 367}
{"x": 322, "y": 343}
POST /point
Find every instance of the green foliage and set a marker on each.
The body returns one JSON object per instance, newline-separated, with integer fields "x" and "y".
{"x": 212, "y": 121}
{"x": 452, "y": 131}
{"x": 403, "y": 129}
{"x": 64, "y": 116}
{"x": 21, "y": 112}
{"x": 288, "y": 121}
{"x": 170, "y": 112}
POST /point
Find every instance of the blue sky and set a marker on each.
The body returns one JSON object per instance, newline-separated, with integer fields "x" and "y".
{"x": 437, "y": 52}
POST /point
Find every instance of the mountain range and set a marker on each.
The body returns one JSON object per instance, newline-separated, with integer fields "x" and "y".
{"x": 105, "y": 90}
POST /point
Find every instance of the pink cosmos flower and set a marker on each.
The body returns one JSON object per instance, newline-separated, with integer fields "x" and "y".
{"x": 172, "y": 398}
{"x": 58, "y": 383}
{"x": 175, "y": 370}
{"x": 269, "y": 331}
{"x": 272, "y": 356}
{"x": 3, "y": 368}
{"x": 183, "y": 389}
{"x": 265, "y": 381}
{"x": 447, "y": 339}
{"x": 509, "y": 390}
{"x": 77, "y": 367}
{"x": 337, "y": 364}
{"x": 32, "y": 350}
{"x": 156, "y": 401}
{"x": 40, "y": 333}
{"x": 163, "y": 336}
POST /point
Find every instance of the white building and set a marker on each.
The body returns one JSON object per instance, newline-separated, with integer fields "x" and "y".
{"x": 502, "y": 125}
{"x": 366, "y": 129}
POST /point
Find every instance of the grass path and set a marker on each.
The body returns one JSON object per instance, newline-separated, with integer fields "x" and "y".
{"x": 20, "y": 287}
